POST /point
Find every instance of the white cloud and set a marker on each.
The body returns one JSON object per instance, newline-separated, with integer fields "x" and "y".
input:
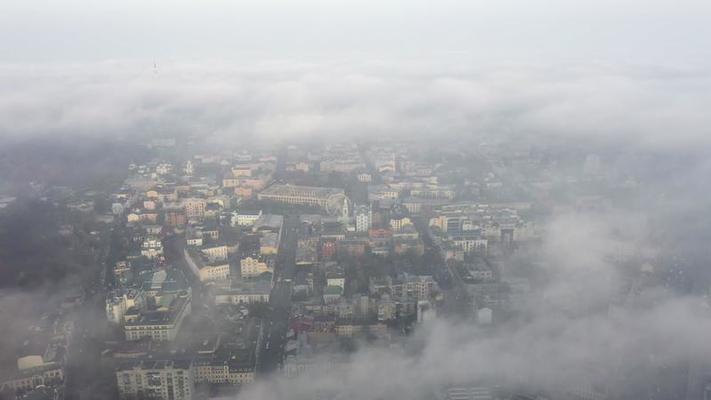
{"x": 654, "y": 108}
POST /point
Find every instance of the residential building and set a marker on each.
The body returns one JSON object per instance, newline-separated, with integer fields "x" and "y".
{"x": 118, "y": 301}
{"x": 398, "y": 224}
{"x": 154, "y": 379}
{"x": 253, "y": 266}
{"x": 194, "y": 208}
{"x": 152, "y": 247}
{"x": 245, "y": 218}
{"x": 161, "y": 323}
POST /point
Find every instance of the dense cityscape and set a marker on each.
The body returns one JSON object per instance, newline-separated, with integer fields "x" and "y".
{"x": 209, "y": 273}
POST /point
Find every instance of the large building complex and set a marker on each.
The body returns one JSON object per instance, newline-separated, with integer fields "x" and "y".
{"x": 330, "y": 199}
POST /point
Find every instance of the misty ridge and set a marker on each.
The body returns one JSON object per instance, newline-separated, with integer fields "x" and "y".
{"x": 619, "y": 273}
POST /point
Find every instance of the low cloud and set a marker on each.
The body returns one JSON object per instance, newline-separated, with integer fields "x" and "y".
{"x": 655, "y": 108}
{"x": 591, "y": 328}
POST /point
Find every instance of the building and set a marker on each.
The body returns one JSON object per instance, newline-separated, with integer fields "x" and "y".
{"x": 419, "y": 287}
{"x": 485, "y": 316}
{"x": 398, "y": 224}
{"x": 307, "y": 251}
{"x": 205, "y": 268}
{"x": 363, "y": 218}
{"x": 152, "y": 247}
{"x": 161, "y": 323}
{"x": 414, "y": 246}
{"x": 154, "y": 379}
{"x": 336, "y": 278}
{"x": 470, "y": 244}
{"x": 33, "y": 372}
{"x": 329, "y": 199}
{"x": 253, "y": 266}
{"x": 175, "y": 217}
{"x": 215, "y": 272}
{"x": 245, "y": 218}
{"x": 229, "y": 371}
{"x": 118, "y": 301}
{"x": 244, "y": 293}
{"x": 382, "y": 192}
{"x": 468, "y": 393}
{"x": 194, "y": 208}
{"x": 268, "y": 223}
{"x": 350, "y": 247}
{"x": 332, "y": 294}
{"x": 216, "y": 253}
{"x": 350, "y": 330}
{"x": 269, "y": 243}
{"x": 364, "y": 177}
{"x": 327, "y": 249}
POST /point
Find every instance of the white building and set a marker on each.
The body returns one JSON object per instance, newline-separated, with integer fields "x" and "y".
{"x": 471, "y": 244}
{"x": 245, "y": 218}
{"x": 152, "y": 247}
{"x": 118, "y": 301}
{"x": 329, "y": 199}
{"x": 363, "y": 218}
{"x": 216, "y": 253}
{"x": 164, "y": 380}
{"x": 244, "y": 293}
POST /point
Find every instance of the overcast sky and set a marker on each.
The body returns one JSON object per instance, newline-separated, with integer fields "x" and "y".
{"x": 487, "y": 31}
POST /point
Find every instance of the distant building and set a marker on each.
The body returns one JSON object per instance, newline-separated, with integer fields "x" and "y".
{"x": 468, "y": 393}
{"x": 337, "y": 279}
{"x": 351, "y": 247}
{"x": 269, "y": 243}
{"x": 152, "y": 247}
{"x": 175, "y": 217}
{"x": 363, "y": 218}
{"x": 484, "y": 316}
{"x": 332, "y": 294}
{"x": 194, "y": 208}
{"x": 382, "y": 192}
{"x": 244, "y": 293}
{"x": 329, "y": 199}
{"x": 245, "y": 218}
{"x": 365, "y": 177}
{"x": 399, "y": 223}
